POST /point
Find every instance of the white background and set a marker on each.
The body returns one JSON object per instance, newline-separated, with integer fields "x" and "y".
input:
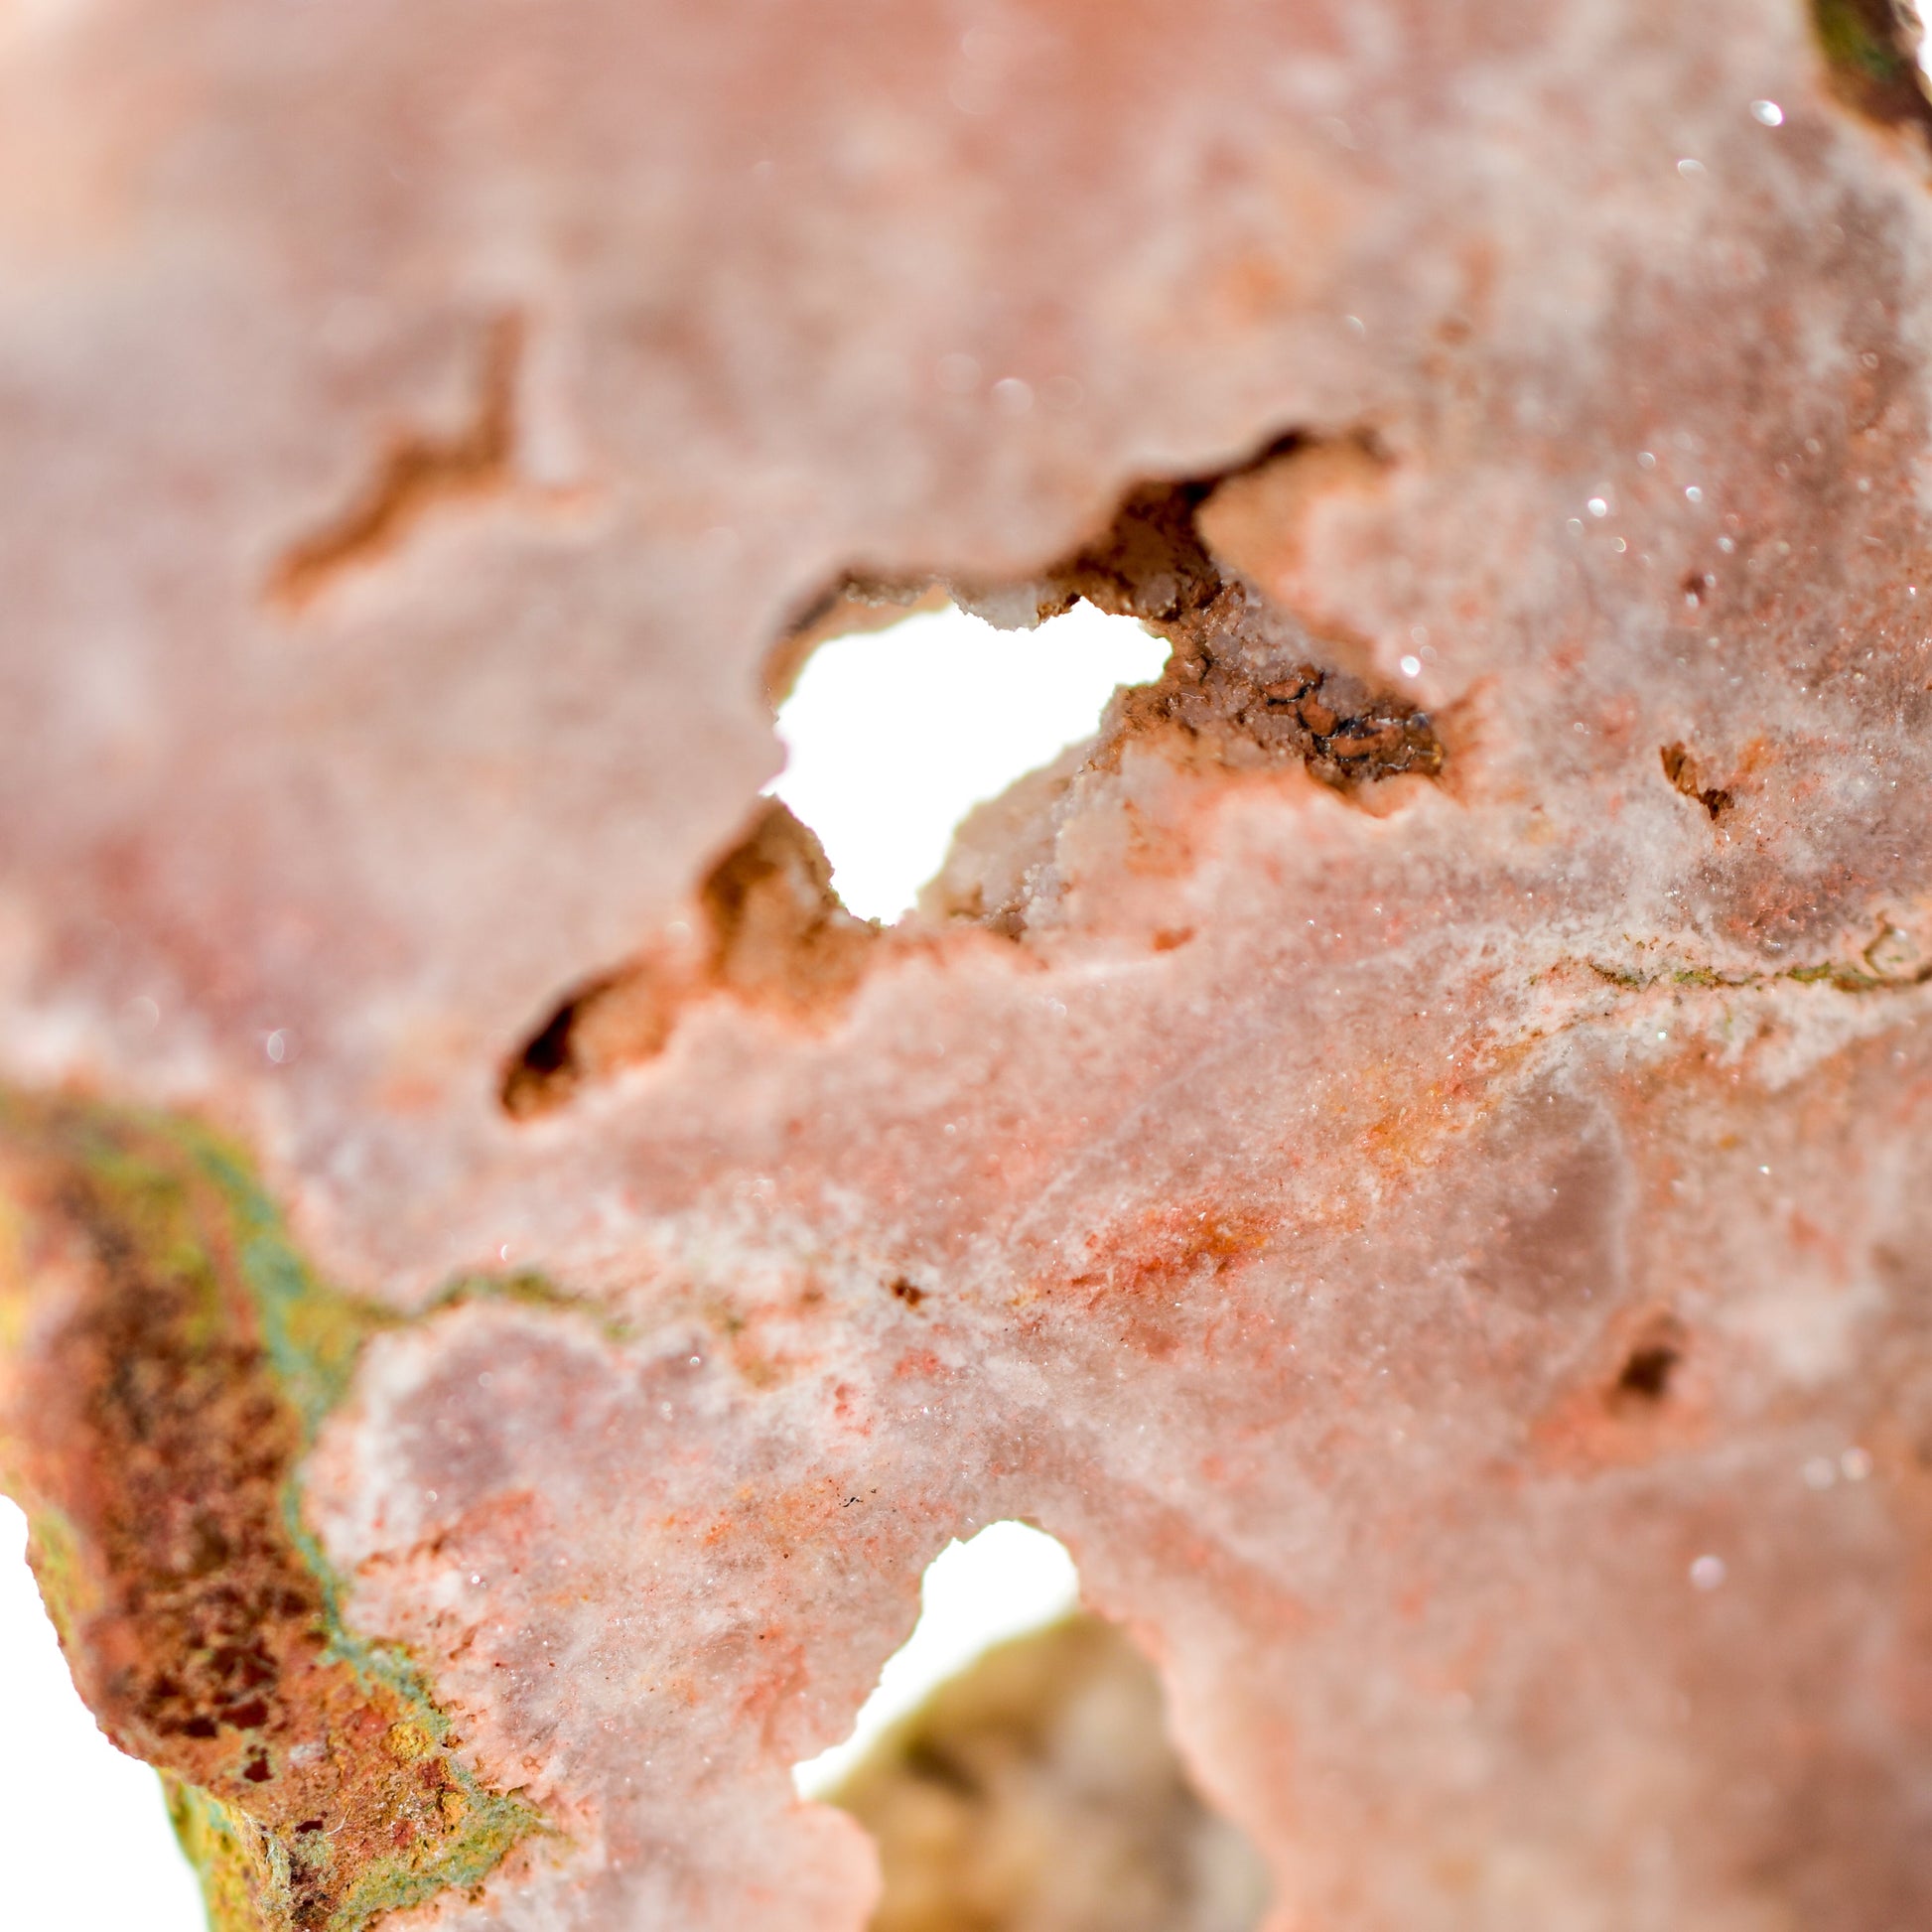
{"x": 84, "y": 1844}
{"x": 890, "y": 738}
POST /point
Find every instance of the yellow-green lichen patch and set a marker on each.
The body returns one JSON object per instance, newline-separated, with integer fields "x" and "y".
{"x": 159, "y": 1426}
{"x": 241, "y": 1876}
{"x": 1867, "y": 57}
{"x": 526, "y": 1287}
{"x": 482, "y": 1829}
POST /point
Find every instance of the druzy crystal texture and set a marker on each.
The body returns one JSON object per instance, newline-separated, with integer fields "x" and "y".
{"x": 1411, "y": 1153}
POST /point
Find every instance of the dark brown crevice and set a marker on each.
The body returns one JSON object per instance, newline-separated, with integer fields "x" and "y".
{"x": 1245, "y": 683}
{"x": 1648, "y": 1375}
{"x": 1647, "y": 1372}
{"x": 1681, "y": 768}
{"x": 1246, "y": 697}
{"x": 1869, "y": 50}
{"x": 1149, "y": 563}
{"x": 417, "y": 473}
{"x": 766, "y": 930}
{"x": 1151, "y": 560}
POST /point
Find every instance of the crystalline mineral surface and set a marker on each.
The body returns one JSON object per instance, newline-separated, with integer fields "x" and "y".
{"x": 1414, "y": 1156}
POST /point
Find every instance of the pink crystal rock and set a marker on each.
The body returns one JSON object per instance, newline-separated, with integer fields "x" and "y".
{"x": 1414, "y": 1157}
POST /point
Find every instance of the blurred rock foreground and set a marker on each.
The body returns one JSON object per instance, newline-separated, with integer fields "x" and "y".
{"x": 1037, "y": 1791}
{"x": 1413, "y": 1155}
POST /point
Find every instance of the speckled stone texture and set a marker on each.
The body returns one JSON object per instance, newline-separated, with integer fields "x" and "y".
{"x": 1452, "y": 1255}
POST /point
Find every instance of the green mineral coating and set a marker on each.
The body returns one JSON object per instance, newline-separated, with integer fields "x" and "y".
{"x": 1854, "y": 40}
{"x": 1618, "y": 975}
{"x": 312, "y": 1334}
{"x": 493, "y": 1826}
{"x": 1839, "y": 974}
{"x": 528, "y": 1289}
{"x": 245, "y": 1873}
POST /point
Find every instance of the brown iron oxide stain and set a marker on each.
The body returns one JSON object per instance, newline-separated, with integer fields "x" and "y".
{"x": 416, "y": 476}
{"x": 1139, "y": 1270}
{"x": 1163, "y": 1246}
{"x": 1241, "y": 686}
{"x": 1681, "y": 768}
{"x": 770, "y": 933}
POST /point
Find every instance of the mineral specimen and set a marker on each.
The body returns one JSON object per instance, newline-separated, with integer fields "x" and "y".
{"x": 1413, "y": 1155}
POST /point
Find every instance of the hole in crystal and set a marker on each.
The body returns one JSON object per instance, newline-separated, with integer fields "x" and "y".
{"x": 1647, "y": 1373}
{"x": 1015, "y": 1766}
{"x": 1009, "y": 1578}
{"x": 892, "y": 735}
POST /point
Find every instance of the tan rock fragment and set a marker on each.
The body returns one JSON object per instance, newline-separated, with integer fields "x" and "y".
{"x": 1040, "y": 1789}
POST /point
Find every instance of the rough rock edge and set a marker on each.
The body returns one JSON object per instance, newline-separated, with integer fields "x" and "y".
{"x": 155, "y": 1428}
